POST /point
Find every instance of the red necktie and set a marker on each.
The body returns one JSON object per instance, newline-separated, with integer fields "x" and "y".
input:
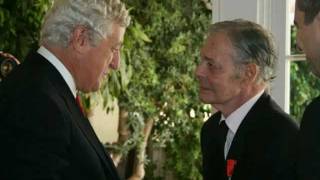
{"x": 79, "y": 103}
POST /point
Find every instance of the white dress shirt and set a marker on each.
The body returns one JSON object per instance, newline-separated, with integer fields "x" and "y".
{"x": 234, "y": 120}
{"x": 60, "y": 67}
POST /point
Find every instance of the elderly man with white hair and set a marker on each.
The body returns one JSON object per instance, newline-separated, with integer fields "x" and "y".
{"x": 44, "y": 134}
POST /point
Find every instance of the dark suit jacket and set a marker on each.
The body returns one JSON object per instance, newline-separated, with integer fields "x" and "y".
{"x": 43, "y": 134}
{"x": 262, "y": 146}
{"x": 309, "y": 143}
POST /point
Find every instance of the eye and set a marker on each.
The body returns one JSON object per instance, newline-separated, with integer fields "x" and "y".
{"x": 209, "y": 64}
{"x": 206, "y": 61}
{"x": 213, "y": 66}
{"x": 115, "y": 50}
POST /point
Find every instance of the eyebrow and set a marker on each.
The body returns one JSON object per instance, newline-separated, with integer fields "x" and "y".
{"x": 212, "y": 60}
{"x": 207, "y": 58}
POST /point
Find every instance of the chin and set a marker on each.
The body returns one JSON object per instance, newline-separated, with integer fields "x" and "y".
{"x": 96, "y": 88}
{"x": 91, "y": 89}
{"x": 85, "y": 90}
{"x": 205, "y": 100}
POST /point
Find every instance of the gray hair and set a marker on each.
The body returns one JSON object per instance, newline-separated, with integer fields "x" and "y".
{"x": 252, "y": 44}
{"x": 97, "y": 16}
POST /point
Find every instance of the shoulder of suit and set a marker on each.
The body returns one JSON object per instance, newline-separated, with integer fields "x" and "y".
{"x": 214, "y": 119}
{"x": 311, "y": 114}
{"x": 268, "y": 113}
{"x": 315, "y": 103}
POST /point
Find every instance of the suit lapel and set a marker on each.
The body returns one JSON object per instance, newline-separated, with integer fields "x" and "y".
{"x": 77, "y": 116}
{"x": 87, "y": 130}
{"x": 216, "y": 149}
{"x": 238, "y": 145}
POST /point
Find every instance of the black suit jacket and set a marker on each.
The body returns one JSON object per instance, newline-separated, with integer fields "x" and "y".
{"x": 262, "y": 146}
{"x": 309, "y": 143}
{"x": 43, "y": 134}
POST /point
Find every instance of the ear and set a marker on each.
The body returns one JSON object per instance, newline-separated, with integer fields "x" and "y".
{"x": 79, "y": 39}
{"x": 250, "y": 73}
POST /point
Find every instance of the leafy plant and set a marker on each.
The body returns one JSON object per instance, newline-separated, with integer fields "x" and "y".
{"x": 162, "y": 89}
{"x": 20, "y": 22}
{"x": 304, "y": 85}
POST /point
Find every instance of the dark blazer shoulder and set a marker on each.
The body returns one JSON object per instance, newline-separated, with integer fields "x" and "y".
{"x": 263, "y": 143}
{"x": 267, "y": 112}
{"x": 311, "y": 113}
{"x": 35, "y": 77}
{"x": 213, "y": 120}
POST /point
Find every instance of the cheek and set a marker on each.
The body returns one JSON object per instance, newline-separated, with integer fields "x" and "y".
{"x": 225, "y": 85}
{"x": 105, "y": 61}
{"x": 309, "y": 37}
{"x": 309, "y": 46}
{"x": 299, "y": 41}
{"x": 218, "y": 87}
{"x": 108, "y": 60}
{"x": 302, "y": 39}
{"x": 216, "y": 81}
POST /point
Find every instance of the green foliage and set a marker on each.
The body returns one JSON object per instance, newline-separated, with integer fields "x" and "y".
{"x": 160, "y": 52}
{"x": 133, "y": 85}
{"x": 20, "y": 22}
{"x": 304, "y": 85}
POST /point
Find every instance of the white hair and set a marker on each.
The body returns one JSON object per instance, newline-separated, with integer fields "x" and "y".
{"x": 97, "y": 16}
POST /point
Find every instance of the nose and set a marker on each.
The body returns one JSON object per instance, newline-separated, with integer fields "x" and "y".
{"x": 115, "y": 63}
{"x": 200, "y": 71}
{"x": 299, "y": 45}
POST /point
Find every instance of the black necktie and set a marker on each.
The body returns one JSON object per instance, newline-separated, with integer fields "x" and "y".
{"x": 223, "y": 131}
{"x": 222, "y": 135}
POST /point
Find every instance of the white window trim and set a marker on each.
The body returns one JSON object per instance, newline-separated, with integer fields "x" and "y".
{"x": 296, "y": 57}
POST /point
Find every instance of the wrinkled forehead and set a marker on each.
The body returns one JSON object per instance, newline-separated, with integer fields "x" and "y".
{"x": 219, "y": 40}
{"x": 218, "y": 44}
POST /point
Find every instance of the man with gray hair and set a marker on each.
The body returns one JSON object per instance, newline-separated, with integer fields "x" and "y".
{"x": 250, "y": 137}
{"x": 44, "y": 134}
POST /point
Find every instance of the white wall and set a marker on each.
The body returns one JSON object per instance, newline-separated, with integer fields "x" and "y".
{"x": 105, "y": 125}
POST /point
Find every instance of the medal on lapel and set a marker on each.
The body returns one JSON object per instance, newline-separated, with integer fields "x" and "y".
{"x": 231, "y": 163}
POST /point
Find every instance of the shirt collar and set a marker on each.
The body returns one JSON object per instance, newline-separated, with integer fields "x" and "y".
{"x": 60, "y": 67}
{"x": 234, "y": 120}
